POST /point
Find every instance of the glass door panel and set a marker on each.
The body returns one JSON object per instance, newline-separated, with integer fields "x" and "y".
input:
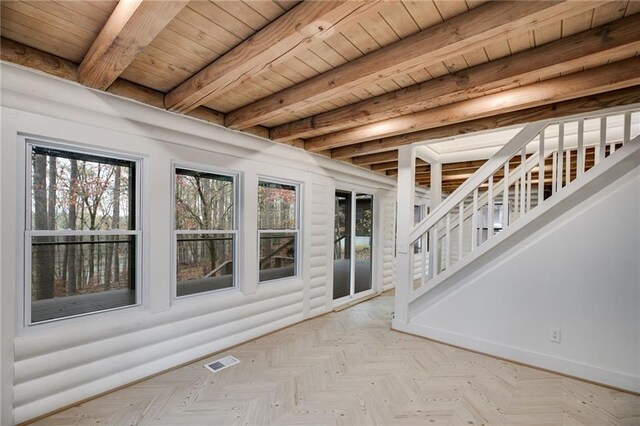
{"x": 363, "y": 242}
{"x": 342, "y": 246}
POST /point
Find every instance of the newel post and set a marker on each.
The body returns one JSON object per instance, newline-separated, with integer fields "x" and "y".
{"x": 406, "y": 191}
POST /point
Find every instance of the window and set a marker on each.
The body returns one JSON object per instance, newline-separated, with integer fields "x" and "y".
{"x": 278, "y": 227}
{"x": 205, "y": 231}
{"x": 82, "y": 234}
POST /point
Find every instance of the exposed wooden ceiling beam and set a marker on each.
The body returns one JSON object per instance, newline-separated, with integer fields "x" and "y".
{"x": 584, "y": 83}
{"x": 434, "y": 44}
{"x": 130, "y": 28}
{"x": 284, "y": 38}
{"x": 389, "y": 165}
{"x": 567, "y": 54}
{"x": 29, "y": 57}
{"x": 576, "y": 106}
{"x": 596, "y": 80}
{"x": 381, "y": 157}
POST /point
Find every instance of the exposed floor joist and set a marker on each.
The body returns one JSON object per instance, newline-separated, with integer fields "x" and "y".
{"x": 584, "y": 83}
{"x": 285, "y": 37}
{"x": 560, "y": 56}
{"x": 557, "y": 109}
{"x": 131, "y": 27}
{"x": 454, "y": 36}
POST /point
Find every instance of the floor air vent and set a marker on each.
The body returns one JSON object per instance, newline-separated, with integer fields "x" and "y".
{"x": 222, "y": 363}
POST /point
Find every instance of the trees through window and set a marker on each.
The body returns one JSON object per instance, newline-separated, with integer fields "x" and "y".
{"x": 205, "y": 231}
{"x": 278, "y": 227}
{"x": 82, "y": 234}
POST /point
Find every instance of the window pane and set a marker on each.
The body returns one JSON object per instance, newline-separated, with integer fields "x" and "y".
{"x": 80, "y": 192}
{"x": 277, "y": 255}
{"x": 204, "y": 263}
{"x": 276, "y": 206}
{"x": 204, "y": 201}
{"x": 80, "y": 274}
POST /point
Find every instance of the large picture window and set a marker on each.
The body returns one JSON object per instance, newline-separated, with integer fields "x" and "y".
{"x": 278, "y": 228}
{"x": 82, "y": 234}
{"x": 205, "y": 231}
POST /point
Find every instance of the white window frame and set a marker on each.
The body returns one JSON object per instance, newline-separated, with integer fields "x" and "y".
{"x": 175, "y": 232}
{"x": 36, "y": 141}
{"x": 298, "y": 217}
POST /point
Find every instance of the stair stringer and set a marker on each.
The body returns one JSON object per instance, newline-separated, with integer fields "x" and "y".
{"x": 603, "y": 181}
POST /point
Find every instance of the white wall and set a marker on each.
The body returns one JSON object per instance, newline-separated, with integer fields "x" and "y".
{"x": 581, "y": 273}
{"x": 60, "y": 363}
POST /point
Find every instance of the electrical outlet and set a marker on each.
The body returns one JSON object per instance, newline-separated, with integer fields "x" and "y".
{"x": 554, "y": 334}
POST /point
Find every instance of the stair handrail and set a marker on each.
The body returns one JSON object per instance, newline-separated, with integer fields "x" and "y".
{"x": 515, "y": 145}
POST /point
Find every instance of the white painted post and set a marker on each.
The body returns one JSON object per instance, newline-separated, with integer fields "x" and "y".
{"x": 406, "y": 189}
{"x": 580, "y": 165}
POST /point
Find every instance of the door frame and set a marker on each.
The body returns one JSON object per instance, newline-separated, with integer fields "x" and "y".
{"x": 353, "y": 190}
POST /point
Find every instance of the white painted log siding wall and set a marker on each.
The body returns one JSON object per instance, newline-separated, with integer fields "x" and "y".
{"x": 52, "y": 365}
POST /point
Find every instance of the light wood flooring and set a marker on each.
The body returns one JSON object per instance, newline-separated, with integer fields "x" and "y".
{"x": 349, "y": 368}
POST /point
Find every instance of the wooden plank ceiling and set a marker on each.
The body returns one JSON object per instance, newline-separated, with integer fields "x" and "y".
{"x": 347, "y": 79}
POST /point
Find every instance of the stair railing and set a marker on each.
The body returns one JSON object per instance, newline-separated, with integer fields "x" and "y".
{"x": 542, "y": 159}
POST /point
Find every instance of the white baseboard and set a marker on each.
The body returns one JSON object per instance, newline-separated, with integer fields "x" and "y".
{"x": 536, "y": 359}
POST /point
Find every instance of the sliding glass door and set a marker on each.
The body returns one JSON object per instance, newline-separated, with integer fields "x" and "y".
{"x": 353, "y": 244}
{"x": 363, "y": 242}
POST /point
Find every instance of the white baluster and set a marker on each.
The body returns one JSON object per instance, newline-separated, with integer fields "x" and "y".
{"x": 460, "y": 228}
{"x": 425, "y": 271}
{"x": 516, "y": 199}
{"x": 523, "y": 179}
{"x": 560, "y": 171}
{"x": 568, "y": 166}
{"x": 603, "y": 140}
{"x": 436, "y": 252}
{"x": 447, "y": 241}
{"x": 554, "y": 170}
{"x": 541, "y": 168}
{"x": 627, "y": 128}
{"x": 505, "y": 197}
{"x": 474, "y": 221}
{"x": 581, "y": 152}
{"x": 490, "y": 207}
{"x": 528, "y": 191}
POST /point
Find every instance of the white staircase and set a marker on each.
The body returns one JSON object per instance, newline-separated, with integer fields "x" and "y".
{"x": 509, "y": 205}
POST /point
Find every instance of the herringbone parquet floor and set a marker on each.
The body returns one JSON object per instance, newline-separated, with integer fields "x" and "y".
{"x": 349, "y": 368}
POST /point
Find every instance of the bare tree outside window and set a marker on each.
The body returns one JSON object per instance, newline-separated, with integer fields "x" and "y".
{"x": 277, "y": 230}
{"x": 82, "y": 234}
{"x": 205, "y": 231}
